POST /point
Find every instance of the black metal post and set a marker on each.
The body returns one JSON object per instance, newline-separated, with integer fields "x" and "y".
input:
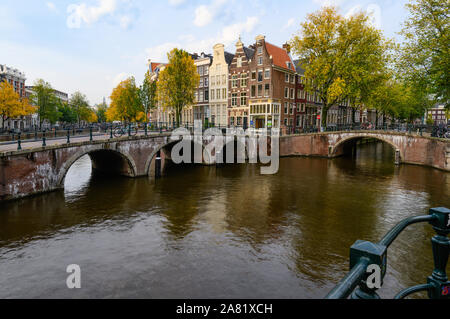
{"x": 68, "y": 136}
{"x": 158, "y": 165}
{"x": 90, "y": 134}
{"x": 19, "y": 143}
{"x": 145, "y": 129}
{"x": 129, "y": 130}
{"x": 44, "y": 144}
{"x": 111, "y": 136}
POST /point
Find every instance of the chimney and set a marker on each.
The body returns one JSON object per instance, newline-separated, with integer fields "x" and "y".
{"x": 287, "y": 47}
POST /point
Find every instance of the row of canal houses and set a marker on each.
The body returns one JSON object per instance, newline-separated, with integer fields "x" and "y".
{"x": 258, "y": 86}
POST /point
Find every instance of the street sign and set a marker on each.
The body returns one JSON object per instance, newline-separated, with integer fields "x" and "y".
{"x": 318, "y": 117}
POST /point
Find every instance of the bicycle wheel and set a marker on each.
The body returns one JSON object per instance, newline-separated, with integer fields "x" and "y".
{"x": 118, "y": 132}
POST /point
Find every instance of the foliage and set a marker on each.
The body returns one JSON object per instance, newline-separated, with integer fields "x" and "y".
{"x": 343, "y": 58}
{"x": 424, "y": 58}
{"x": 178, "y": 82}
{"x": 11, "y": 105}
{"x": 101, "y": 112}
{"x": 80, "y": 106}
{"x": 67, "y": 113}
{"x": 125, "y": 103}
{"x": 147, "y": 94}
{"x": 45, "y": 101}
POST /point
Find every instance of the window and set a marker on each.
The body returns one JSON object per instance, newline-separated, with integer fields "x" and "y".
{"x": 244, "y": 79}
{"x": 292, "y": 108}
{"x": 292, "y": 94}
{"x": 286, "y": 93}
{"x": 260, "y": 76}
{"x": 200, "y": 70}
{"x": 201, "y": 83}
{"x": 206, "y": 95}
{"x": 260, "y": 60}
{"x": 206, "y": 82}
{"x": 206, "y": 70}
{"x": 253, "y": 91}
{"x": 231, "y": 121}
{"x": 234, "y": 81}
{"x": 286, "y": 78}
{"x": 224, "y": 79}
{"x": 224, "y": 94}
{"x": 267, "y": 74}
{"x": 234, "y": 99}
{"x": 286, "y": 108}
{"x": 260, "y": 88}
{"x": 196, "y": 96}
{"x": 266, "y": 90}
{"x": 239, "y": 62}
{"x": 218, "y": 79}
{"x": 213, "y": 81}
{"x": 201, "y": 96}
{"x": 218, "y": 67}
{"x": 218, "y": 94}
{"x": 292, "y": 79}
{"x": 212, "y": 95}
{"x": 243, "y": 99}
{"x": 259, "y": 50}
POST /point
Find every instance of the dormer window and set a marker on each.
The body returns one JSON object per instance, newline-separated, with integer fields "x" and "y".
{"x": 259, "y": 50}
{"x": 289, "y": 65}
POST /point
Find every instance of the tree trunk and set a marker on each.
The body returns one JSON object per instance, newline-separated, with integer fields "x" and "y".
{"x": 353, "y": 115}
{"x": 324, "y": 116}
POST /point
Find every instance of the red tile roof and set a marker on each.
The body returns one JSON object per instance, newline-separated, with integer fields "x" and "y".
{"x": 280, "y": 57}
{"x": 153, "y": 66}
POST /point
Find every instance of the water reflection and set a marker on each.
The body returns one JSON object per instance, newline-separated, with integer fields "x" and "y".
{"x": 203, "y": 232}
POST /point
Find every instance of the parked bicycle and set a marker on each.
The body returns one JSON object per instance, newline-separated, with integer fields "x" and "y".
{"x": 123, "y": 130}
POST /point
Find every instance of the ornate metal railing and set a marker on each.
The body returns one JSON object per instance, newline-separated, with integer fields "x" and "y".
{"x": 364, "y": 254}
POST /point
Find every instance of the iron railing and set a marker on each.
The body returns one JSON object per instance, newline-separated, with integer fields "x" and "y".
{"x": 364, "y": 253}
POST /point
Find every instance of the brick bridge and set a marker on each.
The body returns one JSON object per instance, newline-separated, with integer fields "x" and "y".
{"x": 42, "y": 169}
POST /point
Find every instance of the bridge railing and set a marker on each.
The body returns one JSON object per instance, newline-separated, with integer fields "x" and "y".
{"x": 441, "y": 131}
{"x": 366, "y": 256}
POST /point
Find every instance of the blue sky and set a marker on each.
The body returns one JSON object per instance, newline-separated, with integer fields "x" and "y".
{"x": 90, "y": 45}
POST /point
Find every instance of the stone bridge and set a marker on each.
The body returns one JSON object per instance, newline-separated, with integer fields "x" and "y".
{"x": 41, "y": 169}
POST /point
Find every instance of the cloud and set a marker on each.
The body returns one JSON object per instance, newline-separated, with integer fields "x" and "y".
{"x": 118, "y": 11}
{"x": 176, "y": 2}
{"x": 327, "y": 3}
{"x": 51, "y": 6}
{"x": 289, "y": 24}
{"x": 119, "y": 78}
{"x": 372, "y": 10}
{"x": 227, "y": 36}
{"x": 204, "y": 15}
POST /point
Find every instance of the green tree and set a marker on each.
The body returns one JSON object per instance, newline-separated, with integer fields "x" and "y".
{"x": 425, "y": 54}
{"x": 147, "y": 94}
{"x": 101, "y": 112}
{"x": 67, "y": 114}
{"x": 178, "y": 82}
{"x": 80, "y": 107}
{"x": 45, "y": 101}
{"x": 343, "y": 58}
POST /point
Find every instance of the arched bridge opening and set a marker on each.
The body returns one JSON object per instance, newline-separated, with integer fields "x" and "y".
{"x": 350, "y": 147}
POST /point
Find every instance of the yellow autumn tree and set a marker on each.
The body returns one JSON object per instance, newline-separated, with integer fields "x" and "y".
{"x": 344, "y": 57}
{"x": 11, "y": 105}
{"x": 125, "y": 102}
{"x": 178, "y": 82}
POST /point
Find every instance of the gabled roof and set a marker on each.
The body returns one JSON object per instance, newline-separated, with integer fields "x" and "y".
{"x": 280, "y": 57}
{"x": 154, "y": 66}
{"x": 298, "y": 68}
{"x": 249, "y": 53}
{"x": 229, "y": 57}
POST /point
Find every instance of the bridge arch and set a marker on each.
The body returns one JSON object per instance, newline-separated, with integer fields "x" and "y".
{"x": 165, "y": 150}
{"x": 103, "y": 159}
{"x": 339, "y": 148}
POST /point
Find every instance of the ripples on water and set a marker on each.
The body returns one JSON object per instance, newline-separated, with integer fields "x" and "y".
{"x": 203, "y": 232}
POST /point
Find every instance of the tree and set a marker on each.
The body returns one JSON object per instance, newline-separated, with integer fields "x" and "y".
{"x": 80, "y": 106}
{"x": 45, "y": 101}
{"x": 178, "y": 82}
{"x": 101, "y": 112}
{"x": 68, "y": 115}
{"x": 425, "y": 54}
{"x": 125, "y": 102}
{"x": 11, "y": 105}
{"x": 343, "y": 58}
{"x": 147, "y": 93}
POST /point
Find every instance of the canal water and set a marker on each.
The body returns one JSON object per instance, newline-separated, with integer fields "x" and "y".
{"x": 202, "y": 232}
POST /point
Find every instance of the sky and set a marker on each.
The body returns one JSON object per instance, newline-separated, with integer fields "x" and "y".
{"x": 91, "y": 45}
